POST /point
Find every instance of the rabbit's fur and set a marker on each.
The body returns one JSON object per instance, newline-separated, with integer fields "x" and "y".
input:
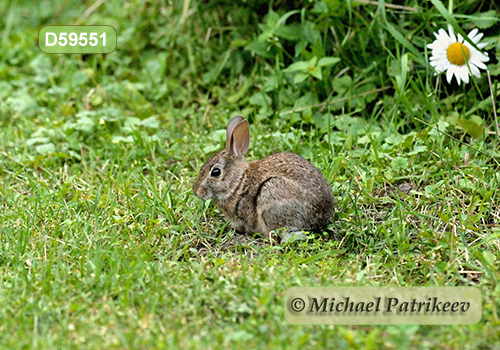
{"x": 282, "y": 190}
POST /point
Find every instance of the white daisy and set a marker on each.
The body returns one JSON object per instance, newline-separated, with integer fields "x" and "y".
{"x": 452, "y": 54}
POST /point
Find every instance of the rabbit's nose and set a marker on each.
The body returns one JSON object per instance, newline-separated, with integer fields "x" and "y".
{"x": 200, "y": 193}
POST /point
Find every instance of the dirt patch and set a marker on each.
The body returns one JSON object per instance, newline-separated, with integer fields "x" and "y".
{"x": 402, "y": 188}
{"x": 244, "y": 240}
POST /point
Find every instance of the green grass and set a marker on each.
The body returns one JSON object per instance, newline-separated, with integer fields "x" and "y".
{"x": 103, "y": 244}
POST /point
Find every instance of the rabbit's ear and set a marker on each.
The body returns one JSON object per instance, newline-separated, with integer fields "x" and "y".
{"x": 229, "y": 130}
{"x": 240, "y": 139}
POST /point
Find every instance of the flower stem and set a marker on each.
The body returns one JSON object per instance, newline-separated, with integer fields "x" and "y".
{"x": 450, "y": 7}
{"x": 493, "y": 103}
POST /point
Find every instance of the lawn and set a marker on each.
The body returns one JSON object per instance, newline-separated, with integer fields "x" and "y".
{"x": 103, "y": 244}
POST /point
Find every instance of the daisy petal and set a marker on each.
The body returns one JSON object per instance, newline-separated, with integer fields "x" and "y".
{"x": 434, "y": 45}
{"x": 474, "y": 71}
{"x": 441, "y": 33}
{"x": 449, "y": 75}
{"x": 465, "y": 77}
{"x": 452, "y": 36}
{"x": 477, "y": 37}
{"x": 461, "y": 73}
{"x": 472, "y": 34}
{"x": 479, "y": 64}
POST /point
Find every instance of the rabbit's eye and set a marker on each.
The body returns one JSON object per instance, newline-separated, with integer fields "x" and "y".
{"x": 215, "y": 172}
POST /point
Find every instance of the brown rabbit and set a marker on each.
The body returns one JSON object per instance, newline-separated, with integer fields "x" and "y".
{"x": 282, "y": 190}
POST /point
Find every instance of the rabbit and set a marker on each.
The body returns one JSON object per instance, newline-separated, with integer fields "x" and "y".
{"x": 282, "y": 190}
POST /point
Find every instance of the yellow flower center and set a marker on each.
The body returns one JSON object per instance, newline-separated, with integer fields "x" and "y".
{"x": 457, "y": 54}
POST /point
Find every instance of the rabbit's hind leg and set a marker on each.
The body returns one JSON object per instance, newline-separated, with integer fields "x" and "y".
{"x": 292, "y": 236}
{"x": 280, "y": 206}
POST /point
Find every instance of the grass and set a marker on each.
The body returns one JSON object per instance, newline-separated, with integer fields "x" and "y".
{"x": 104, "y": 245}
